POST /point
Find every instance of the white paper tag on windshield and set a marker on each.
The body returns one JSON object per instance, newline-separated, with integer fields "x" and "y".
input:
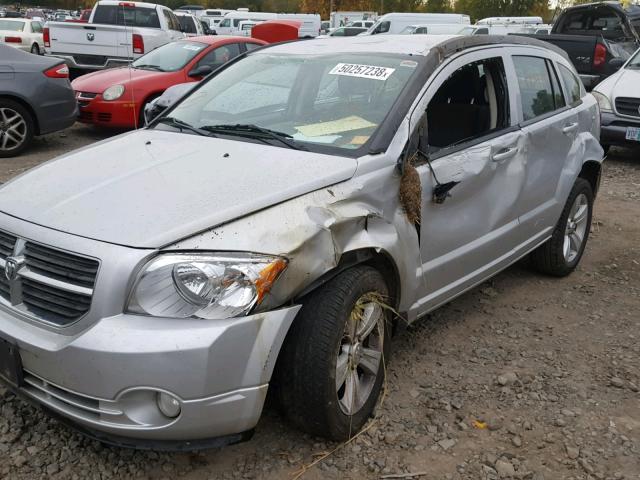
{"x": 362, "y": 71}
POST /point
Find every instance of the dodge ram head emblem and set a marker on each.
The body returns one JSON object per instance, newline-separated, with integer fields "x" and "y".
{"x": 91, "y": 36}
{"x": 11, "y": 267}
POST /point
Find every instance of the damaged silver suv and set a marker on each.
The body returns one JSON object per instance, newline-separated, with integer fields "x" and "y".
{"x": 267, "y": 228}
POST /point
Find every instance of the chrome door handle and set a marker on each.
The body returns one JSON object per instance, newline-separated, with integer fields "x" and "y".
{"x": 570, "y": 128}
{"x": 504, "y": 154}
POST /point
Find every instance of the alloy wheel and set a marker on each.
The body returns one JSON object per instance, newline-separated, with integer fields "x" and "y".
{"x": 576, "y": 228}
{"x": 13, "y": 129}
{"x": 358, "y": 364}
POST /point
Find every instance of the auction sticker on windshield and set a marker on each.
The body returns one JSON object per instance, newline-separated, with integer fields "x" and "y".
{"x": 362, "y": 71}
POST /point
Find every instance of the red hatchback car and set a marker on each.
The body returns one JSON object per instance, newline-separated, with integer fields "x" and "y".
{"x": 117, "y": 97}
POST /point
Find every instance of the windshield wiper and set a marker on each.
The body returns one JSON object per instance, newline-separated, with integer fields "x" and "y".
{"x": 145, "y": 66}
{"x": 182, "y": 126}
{"x": 254, "y": 131}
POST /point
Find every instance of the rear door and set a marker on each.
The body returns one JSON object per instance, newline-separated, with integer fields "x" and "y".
{"x": 474, "y": 141}
{"x": 550, "y": 127}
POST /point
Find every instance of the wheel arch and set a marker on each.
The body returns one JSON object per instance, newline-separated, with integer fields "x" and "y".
{"x": 591, "y": 171}
{"x": 377, "y": 258}
{"x": 27, "y": 106}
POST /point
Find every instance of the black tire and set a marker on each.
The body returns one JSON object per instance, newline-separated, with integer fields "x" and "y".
{"x": 35, "y": 49}
{"x": 26, "y": 128}
{"x": 550, "y": 257}
{"x": 606, "y": 148}
{"x": 306, "y": 372}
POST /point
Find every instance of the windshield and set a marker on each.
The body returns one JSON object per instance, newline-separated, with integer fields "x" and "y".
{"x": 634, "y": 63}
{"x": 466, "y": 31}
{"x": 187, "y": 24}
{"x": 336, "y": 101}
{"x": 11, "y": 26}
{"x": 380, "y": 27}
{"x": 169, "y": 57}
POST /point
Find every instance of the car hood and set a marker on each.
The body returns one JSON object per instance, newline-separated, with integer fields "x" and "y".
{"x": 98, "y": 82}
{"x": 627, "y": 84}
{"x": 151, "y": 188}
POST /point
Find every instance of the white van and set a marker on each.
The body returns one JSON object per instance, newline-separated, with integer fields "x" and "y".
{"x": 510, "y": 20}
{"x": 343, "y": 19}
{"x": 397, "y": 22}
{"x": 214, "y": 16}
{"x": 510, "y": 29}
{"x": 230, "y": 24}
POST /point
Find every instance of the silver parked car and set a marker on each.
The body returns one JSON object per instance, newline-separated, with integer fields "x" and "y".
{"x": 264, "y": 229}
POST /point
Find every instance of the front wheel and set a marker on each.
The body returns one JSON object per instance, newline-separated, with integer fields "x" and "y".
{"x": 332, "y": 367}
{"x": 560, "y": 255}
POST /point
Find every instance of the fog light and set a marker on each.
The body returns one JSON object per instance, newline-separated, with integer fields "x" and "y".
{"x": 168, "y": 405}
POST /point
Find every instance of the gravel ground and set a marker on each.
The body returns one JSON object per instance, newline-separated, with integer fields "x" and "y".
{"x": 525, "y": 377}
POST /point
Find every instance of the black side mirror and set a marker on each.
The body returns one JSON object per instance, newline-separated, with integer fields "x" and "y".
{"x": 616, "y": 63}
{"x": 201, "y": 71}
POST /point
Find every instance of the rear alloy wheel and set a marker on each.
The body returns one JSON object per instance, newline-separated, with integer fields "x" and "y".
{"x": 561, "y": 254}
{"x": 16, "y": 128}
{"x": 331, "y": 369}
{"x": 35, "y": 49}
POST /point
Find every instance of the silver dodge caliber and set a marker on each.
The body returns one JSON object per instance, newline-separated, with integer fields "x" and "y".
{"x": 270, "y": 227}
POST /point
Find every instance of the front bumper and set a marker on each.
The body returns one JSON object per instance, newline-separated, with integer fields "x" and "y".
{"x": 107, "y": 378}
{"x": 116, "y": 113}
{"x": 613, "y": 129}
{"x": 590, "y": 81}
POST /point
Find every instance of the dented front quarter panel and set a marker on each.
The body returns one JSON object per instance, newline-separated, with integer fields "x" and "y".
{"x": 315, "y": 230}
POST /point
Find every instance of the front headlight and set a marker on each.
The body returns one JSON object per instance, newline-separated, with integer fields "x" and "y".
{"x": 212, "y": 286}
{"x": 603, "y": 101}
{"x": 114, "y": 92}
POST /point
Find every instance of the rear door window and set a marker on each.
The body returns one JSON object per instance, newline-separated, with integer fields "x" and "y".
{"x": 187, "y": 24}
{"x": 220, "y": 55}
{"x": 539, "y": 90}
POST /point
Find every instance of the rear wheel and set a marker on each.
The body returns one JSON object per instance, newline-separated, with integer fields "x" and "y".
{"x": 332, "y": 367}
{"x": 606, "y": 148}
{"x": 35, "y": 49}
{"x": 16, "y": 128}
{"x": 561, "y": 254}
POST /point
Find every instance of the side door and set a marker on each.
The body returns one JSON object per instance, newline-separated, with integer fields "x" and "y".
{"x": 473, "y": 143}
{"x": 218, "y": 56}
{"x": 550, "y": 127}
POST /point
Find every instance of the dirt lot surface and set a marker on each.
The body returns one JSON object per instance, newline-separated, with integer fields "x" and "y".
{"x": 524, "y": 377}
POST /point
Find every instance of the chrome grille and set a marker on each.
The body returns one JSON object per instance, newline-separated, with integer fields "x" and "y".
{"x": 628, "y": 106}
{"x": 54, "y": 304}
{"x": 46, "y": 283}
{"x": 7, "y": 243}
{"x": 60, "y": 265}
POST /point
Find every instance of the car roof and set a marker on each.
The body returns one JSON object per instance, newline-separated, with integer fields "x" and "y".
{"x": 220, "y": 39}
{"x": 421, "y": 45}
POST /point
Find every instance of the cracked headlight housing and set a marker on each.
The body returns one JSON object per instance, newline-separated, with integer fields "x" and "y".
{"x": 114, "y": 92}
{"x": 204, "y": 285}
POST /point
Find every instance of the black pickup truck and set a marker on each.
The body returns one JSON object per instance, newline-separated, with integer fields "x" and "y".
{"x": 598, "y": 37}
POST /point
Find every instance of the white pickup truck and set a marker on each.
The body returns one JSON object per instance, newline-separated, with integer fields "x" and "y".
{"x": 117, "y": 33}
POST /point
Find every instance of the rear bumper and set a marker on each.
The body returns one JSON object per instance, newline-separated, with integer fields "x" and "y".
{"x": 98, "y": 63}
{"x": 57, "y": 109}
{"x": 613, "y": 129}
